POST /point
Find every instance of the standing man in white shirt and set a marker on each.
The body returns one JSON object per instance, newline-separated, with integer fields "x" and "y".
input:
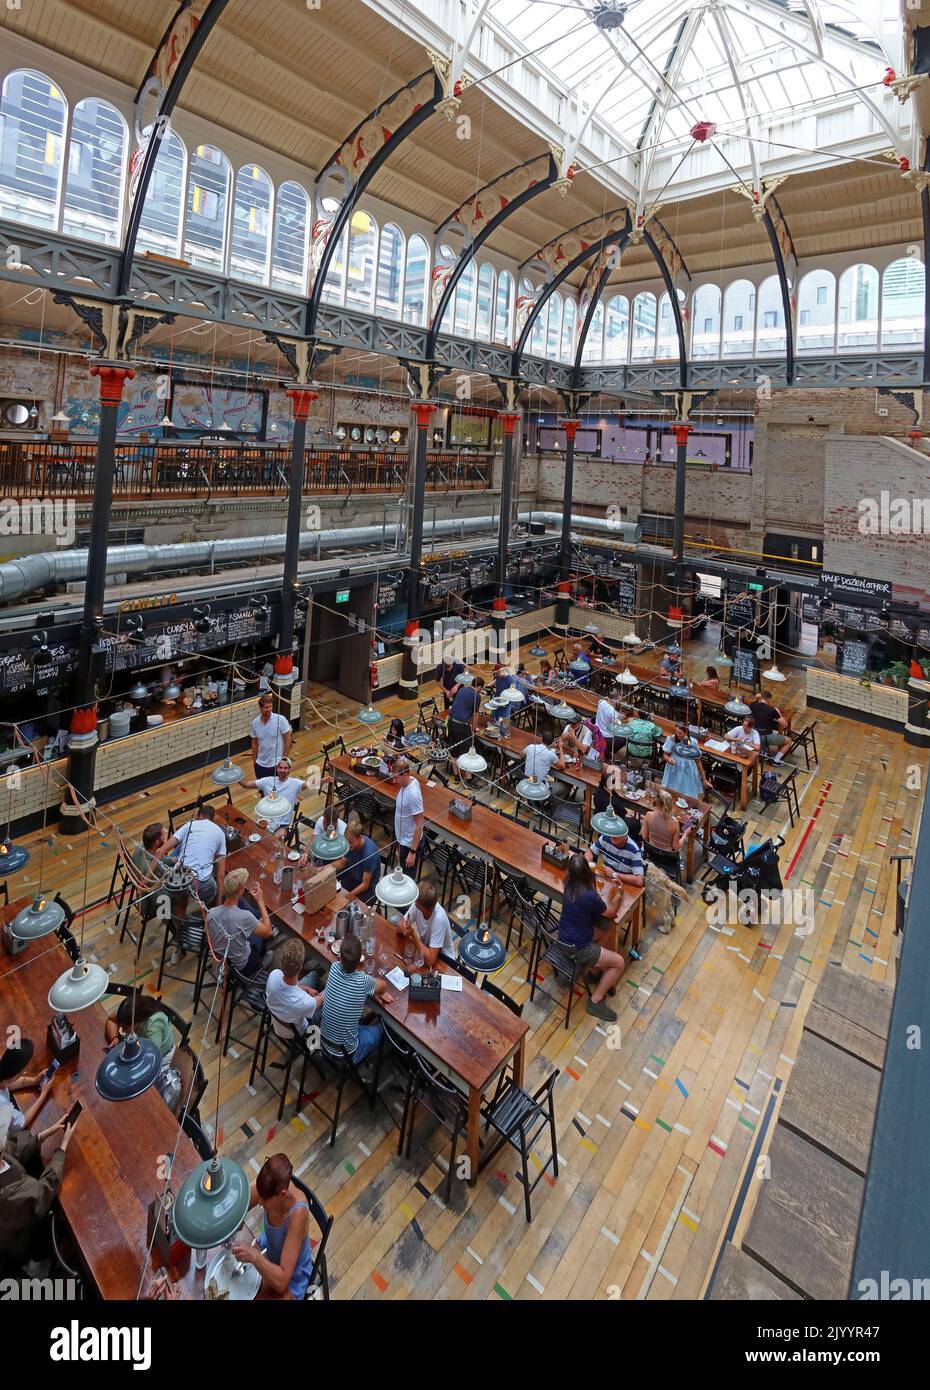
{"x": 408, "y": 816}
{"x": 202, "y": 849}
{"x": 271, "y": 738}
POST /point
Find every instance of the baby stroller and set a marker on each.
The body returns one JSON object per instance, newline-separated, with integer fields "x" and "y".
{"x": 756, "y": 872}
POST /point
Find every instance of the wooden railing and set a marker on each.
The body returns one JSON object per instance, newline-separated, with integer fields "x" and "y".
{"x": 148, "y": 471}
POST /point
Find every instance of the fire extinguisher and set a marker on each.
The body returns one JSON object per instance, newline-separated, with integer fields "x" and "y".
{"x": 373, "y": 675}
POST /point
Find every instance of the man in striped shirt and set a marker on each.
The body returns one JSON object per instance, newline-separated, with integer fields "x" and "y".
{"x": 622, "y": 857}
{"x": 347, "y": 992}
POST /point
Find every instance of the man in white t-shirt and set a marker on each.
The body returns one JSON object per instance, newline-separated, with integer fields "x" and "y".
{"x": 744, "y": 738}
{"x": 281, "y": 784}
{"x": 540, "y": 757}
{"x": 292, "y": 1002}
{"x": 201, "y": 847}
{"x": 271, "y": 738}
{"x": 408, "y": 815}
{"x": 427, "y": 924}
{"x": 607, "y": 718}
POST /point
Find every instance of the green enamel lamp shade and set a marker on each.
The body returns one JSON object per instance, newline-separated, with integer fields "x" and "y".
{"x": 128, "y": 1069}
{"x": 40, "y": 918}
{"x": 533, "y": 789}
{"x": 212, "y": 1203}
{"x": 78, "y": 987}
{"x": 329, "y": 845}
{"x": 227, "y": 775}
{"x": 396, "y": 889}
{"x": 609, "y": 824}
{"x": 369, "y": 715}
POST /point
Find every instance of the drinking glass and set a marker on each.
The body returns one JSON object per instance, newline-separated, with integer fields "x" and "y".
{"x": 200, "y": 1259}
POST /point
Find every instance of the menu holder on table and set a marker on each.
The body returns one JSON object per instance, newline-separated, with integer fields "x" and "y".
{"x": 427, "y": 989}
{"x": 558, "y": 855}
{"x": 460, "y": 809}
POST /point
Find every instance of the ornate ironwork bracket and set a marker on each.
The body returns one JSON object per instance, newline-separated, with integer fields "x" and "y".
{"x": 116, "y": 326}
{"x": 423, "y": 377}
{"x": 574, "y": 402}
{"x": 510, "y": 388}
{"x": 303, "y": 355}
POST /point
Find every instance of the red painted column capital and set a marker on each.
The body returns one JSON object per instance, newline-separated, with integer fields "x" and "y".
{"x": 681, "y": 433}
{"x": 509, "y": 419}
{"x": 111, "y": 381}
{"x": 424, "y": 411}
{"x": 571, "y": 429}
{"x": 301, "y": 400}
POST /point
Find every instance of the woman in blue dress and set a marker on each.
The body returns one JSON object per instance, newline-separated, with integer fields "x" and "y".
{"x": 283, "y": 1256}
{"x": 684, "y": 771}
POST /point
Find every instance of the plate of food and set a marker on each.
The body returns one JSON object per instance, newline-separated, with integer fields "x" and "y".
{"x": 372, "y": 760}
{"x": 681, "y": 804}
{"x": 227, "y": 1278}
{"x": 254, "y": 839}
{"x": 634, "y": 795}
{"x": 335, "y": 947}
{"x": 293, "y": 855}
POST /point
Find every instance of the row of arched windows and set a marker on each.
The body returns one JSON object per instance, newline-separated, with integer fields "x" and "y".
{"x": 68, "y": 175}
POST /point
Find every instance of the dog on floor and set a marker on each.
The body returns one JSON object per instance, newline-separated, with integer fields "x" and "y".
{"x": 662, "y": 895}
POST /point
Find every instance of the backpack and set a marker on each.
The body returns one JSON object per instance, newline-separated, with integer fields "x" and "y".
{"x": 598, "y": 741}
{"x": 768, "y": 787}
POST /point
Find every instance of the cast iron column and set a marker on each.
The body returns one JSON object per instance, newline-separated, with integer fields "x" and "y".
{"x": 285, "y": 675}
{"x": 82, "y": 740}
{"x": 681, "y": 433}
{"x": 510, "y": 419}
{"x": 423, "y": 410}
{"x": 563, "y": 604}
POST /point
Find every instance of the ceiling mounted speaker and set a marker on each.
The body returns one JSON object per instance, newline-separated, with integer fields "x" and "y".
{"x": 608, "y": 15}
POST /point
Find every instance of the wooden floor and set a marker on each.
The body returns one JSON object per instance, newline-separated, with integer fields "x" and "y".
{"x": 655, "y": 1135}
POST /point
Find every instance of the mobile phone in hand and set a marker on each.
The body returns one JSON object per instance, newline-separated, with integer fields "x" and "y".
{"x": 50, "y": 1071}
{"x": 73, "y": 1113}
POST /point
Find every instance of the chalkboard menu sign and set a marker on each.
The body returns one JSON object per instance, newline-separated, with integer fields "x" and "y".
{"x": 625, "y": 599}
{"x": 482, "y": 571}
{"x": 18, "y": 672}
{"x": 854, "y": 660}
{"x": 391, "y": 593}
{"x": 741, "y": 611}
{"x": 598, "y": 561}
{"x": 923, "y": 637}
{"x": 849, "y": 616}
{"x": 901, "y": 628}
{"x": 811, "y": 611}
{"x": 243, "y": 626}
{"x": 745, "y": 669}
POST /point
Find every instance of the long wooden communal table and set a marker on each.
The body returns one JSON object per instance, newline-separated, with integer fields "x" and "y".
{"x": 488, "y": 836}
{"x": 700, "y": 693}
{"x": 588, "y": 779}
{"x": 748, "y": 765}
{"x": 111, "y": 1167}
{"x": 469, "y": 1037}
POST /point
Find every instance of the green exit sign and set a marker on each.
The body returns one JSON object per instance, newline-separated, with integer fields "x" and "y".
{"x": 756, "y": 588}
{"x": 342, "y": 596}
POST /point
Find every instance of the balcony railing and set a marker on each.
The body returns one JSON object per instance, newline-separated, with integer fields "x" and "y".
{"x": 148, "y": 471}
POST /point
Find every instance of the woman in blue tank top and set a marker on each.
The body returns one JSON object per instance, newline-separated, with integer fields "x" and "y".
{"x": 282, "y": 1256}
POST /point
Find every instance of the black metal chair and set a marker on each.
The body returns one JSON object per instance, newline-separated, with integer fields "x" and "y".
{"x": 564, "y": 818}
{"x": 787, "y": 792}
{"x": 402, "y": 1055}
{"x": 667, "y": 859}
{"x": 193, "y": 1078}
{"x": 443, "y": 858}
{"x": 458, "y": 966}
{"x": 338, "y": 1062}
{"x": 186, "y": 934}
{"x": 293, "y": 1047}
{"x": 518, "y": 1119}
{"x": 245, "y": 992}
{"x": 319, "y": 1276}
{"x": 547, "y": 947}
{"x": 519, "y": 904}
{"x": 446, "y": 1104}
{"x": 178, "y": 812}
{"x": 805, "y": 740}
{"x": 195, "y": 1133}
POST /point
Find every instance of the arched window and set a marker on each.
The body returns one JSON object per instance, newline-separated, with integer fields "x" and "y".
{"x": 160, "y": 223}
{"x": 94, "y": 181}
{"x": 485, "y": 302}
{"x": 903, "y": 302}
{"x": 416, "y": 281}
{"x": 644, "y": 327}
{"x": 250, "y": 253}
{"x": 816, "y": 312}
{"x": 739, "y": 318}
{"x": 207, "y": 199}
{"x": 363, "y": 250}
{"x": 334, "y": 286}
{"x": 705, "y": 322}
{"x": 503, "y": 308}
{"x": 771, "y": 337}
{"x": 537, "y": 343}
{"x": 390, "y": 271}
{"x": 569, "y": 330}
{"x": 289, "y": 253}
{"x": 667, "y": 345}
{"x": 32, "y": 125}
{"x": 593, "y": 350}
{"x": 617, "y": 329}
{"x": 554, "y": 331}
{"x": 463, "y": 311}
{"x": 857, "y": 327}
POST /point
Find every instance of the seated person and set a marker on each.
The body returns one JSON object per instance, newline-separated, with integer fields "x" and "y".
{"x": 598, "y": 648}
{"x": 711, "y": 680}
{"x": 283, "y": 1255}
{"x": 360, "y": 868}
{"x": 771, "y": 725}
{"x": 347, "y": 992}
{"x": 744, "y": 738}
{"x": 641, "y": 736}
{"x": 622, "y": 858}
{"x": 13, "y": 1079}
{"x": 233, "y": 930}
{"x": 661, "y": 827}
{"x": 284, "y": 785}
{"x": 540, "y": 757}
{"x": 396, "y": 735}
{"x": 151, "y": 870}
{"x": 580, "y": 657}
{"x": 25, "y": 1201}
{"x": 576, "y": 738}
{"x": 292, "y": 1000}
{"x": 671, "y": 665}
{"x": 547, "y": 674}
{"x": 427, "y": 925}
{"x": 523, "y": 680}
{"x": 580, "y": 924}
{"x": 150, "y": 1022}
{"x": 201, "y": 847}
{"x": 606, "y": 792}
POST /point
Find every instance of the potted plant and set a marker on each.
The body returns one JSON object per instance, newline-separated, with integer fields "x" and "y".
{"x": 900, "y": 672}
{"x": 885, "y": 676}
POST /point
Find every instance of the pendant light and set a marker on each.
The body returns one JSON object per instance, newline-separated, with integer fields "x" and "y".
{"x": 533, "y": 788}
{"x": 579, "y": 666}
{"x": 129, "y": 1069}
{"x": 737, "y": 706}
{"x": 481, "y": 950}
{"x": 512, "y": 694}
{"x": 396, "y": 889}
{"x": 537, "y": 650}
{"x": 609, "y": 824}
{"x": 626, "y": 677}
{"x": 329, "y": 845}
{"x": 773, "y": 673}
{"x": 630, "y": 639}
{"x": 12, "y": 857}
{"x": 41, "y": 917}
{"x": 272, "y": 807}
{"x": 85, "y": 982}
{"x": 563, "y": 711}
{"x": 472, "y": 761}
{"x": 593, "y": 629}
{"x": 369, "y": 715}
{"x": 723, "y": 660}
{"x": 214, "y": 1199}
{"x": 227, "y": 775}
